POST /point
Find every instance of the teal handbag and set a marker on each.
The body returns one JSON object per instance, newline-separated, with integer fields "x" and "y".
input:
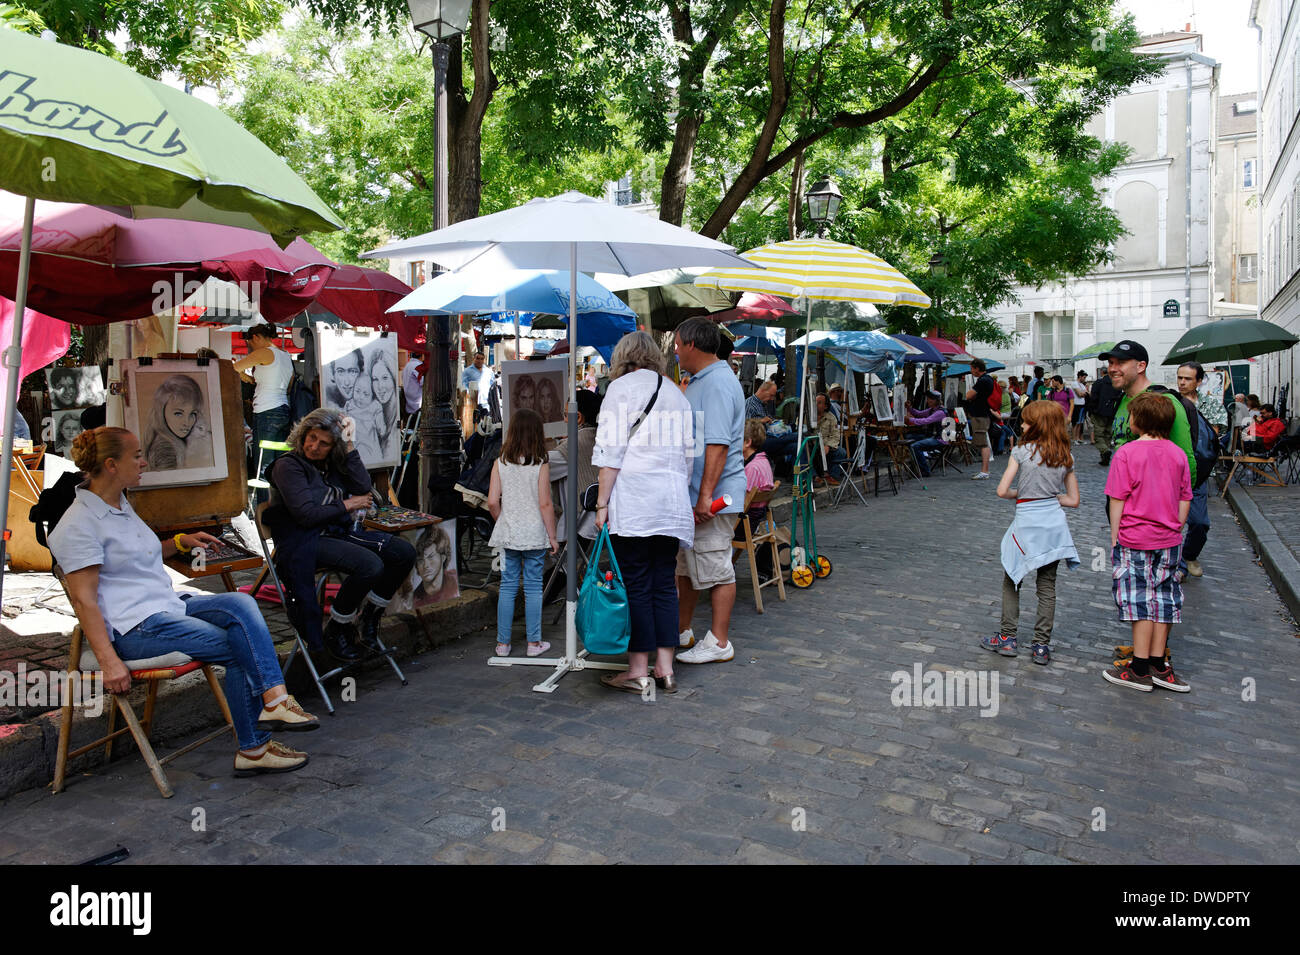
{"x": 602, "y": 618}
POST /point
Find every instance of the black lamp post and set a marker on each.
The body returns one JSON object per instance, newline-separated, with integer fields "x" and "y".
{"x": 823, "y": 202}
{"x": 440, "y": 435}
{"x": 938, "y": 269}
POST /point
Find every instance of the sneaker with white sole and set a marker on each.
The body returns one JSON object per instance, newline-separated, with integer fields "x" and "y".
{"x": 980, "y": 476}
{"x": 686, "y": 639}
{"x": 708, "y": 651}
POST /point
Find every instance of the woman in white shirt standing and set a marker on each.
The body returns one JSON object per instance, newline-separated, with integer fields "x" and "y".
{"x": 644, "y": 474}
{"x": 271, "y": 370}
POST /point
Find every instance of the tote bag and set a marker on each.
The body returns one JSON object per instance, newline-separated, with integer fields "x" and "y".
{"x": 602, "y": 617}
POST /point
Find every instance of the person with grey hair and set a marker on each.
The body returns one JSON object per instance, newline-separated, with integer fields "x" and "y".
{"x": 717, "y": 475}
{"x": 320, "y": 492}
{"x": 642, "y": 452}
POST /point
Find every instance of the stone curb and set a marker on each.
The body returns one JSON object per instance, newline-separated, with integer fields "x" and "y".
{"x": 185, "y": 706}
{"x": 1282, "y": 567}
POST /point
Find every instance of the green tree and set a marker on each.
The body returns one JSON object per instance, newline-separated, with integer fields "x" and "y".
{"x": 201, "y": 40}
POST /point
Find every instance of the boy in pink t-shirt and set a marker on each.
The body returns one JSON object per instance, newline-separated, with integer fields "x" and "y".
{"x": 1150, "y": 492}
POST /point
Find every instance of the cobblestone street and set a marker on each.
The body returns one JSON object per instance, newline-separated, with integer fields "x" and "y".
{"x": 794, "y": 751}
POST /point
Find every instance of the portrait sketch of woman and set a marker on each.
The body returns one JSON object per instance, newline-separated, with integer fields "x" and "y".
{"x": 175, "y": 408}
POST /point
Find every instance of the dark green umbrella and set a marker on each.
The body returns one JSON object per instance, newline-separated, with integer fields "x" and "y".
{"x": 1234, "y": 339}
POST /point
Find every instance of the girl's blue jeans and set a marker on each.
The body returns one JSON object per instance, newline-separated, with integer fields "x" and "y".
{"x": 515, "y": 563}
{"x": 226, "y": 629}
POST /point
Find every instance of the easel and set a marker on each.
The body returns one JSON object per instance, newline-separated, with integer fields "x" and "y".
{"x": 205, "y": 507}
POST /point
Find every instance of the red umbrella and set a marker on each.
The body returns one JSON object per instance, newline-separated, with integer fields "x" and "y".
{"x": 361, "y": 297}
{"x": 90, "y": 266}
{"x": 755, "y": 307}
{"x": 950, "y": 350}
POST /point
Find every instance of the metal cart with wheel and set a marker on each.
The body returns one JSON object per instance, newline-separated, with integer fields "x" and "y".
{"x": 805, "y": 563}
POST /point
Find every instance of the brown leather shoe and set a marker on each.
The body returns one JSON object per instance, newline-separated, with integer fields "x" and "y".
{"x": 287, "y": 716}
{"x": 276, "y": 758}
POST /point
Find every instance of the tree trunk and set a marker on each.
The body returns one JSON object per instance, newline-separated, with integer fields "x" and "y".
{"x": 794, "y": 214}
{"x": 465, "y": 116}
{"x": 677, "y": 174}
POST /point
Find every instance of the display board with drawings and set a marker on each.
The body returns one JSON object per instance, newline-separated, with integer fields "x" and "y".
{"x": 72, "y": 391}
{"x": 358, "y": 376}
{"x": 175, "y": 407}
{"x": 541, "y": 386}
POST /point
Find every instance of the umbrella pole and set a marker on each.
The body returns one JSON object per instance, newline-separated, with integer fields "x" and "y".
{"x": 13, "y": 363}
{"x": 803, "y": 379}
{"x": 517, "y": 346}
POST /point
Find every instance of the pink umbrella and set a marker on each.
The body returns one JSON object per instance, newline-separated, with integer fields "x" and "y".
{"x": 950, "y": 350}
{"x": 90, "y": 266}
{"x": 755, "y": 307}
{"x": 45, "y": 340}
{"x": 361, "y": 297}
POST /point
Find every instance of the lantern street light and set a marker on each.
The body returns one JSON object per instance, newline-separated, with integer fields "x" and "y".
{"x": 823, "y": 202}
{"x": 440, "y": 434}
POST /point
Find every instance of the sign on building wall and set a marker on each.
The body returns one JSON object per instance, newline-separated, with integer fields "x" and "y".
{"x": 1172, "y": 309}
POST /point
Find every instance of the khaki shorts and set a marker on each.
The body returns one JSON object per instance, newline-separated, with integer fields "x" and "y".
{"x": 708, "y": 562}
{"x": 979, "y": 429}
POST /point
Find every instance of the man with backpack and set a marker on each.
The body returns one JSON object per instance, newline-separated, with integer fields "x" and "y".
{"x": 1210, "y": 408}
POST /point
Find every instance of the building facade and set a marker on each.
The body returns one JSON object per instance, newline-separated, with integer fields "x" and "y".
{"x": 1235, "y": 266}
{"x": 1159, "y": 283}
{"x": 1279, "y": 190}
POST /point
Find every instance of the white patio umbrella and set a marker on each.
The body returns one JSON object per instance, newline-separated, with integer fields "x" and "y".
{"x": 570, "y": 232}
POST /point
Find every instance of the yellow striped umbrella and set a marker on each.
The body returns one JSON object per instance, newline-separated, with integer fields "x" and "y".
{"x": 819, "y": 269}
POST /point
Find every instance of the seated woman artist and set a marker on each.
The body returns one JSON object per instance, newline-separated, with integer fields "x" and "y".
{"x": 113, "y": 568}
{"x": 320, "y": 492}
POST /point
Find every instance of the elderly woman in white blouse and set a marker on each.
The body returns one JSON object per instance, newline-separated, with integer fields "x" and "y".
{"x": 642, "y": 449}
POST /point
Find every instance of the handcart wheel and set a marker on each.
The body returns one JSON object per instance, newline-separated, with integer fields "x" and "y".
{"x": 802, "y": 576}
{"x": 823, "y": 566}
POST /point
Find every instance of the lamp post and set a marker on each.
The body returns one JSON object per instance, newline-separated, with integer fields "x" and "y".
{"x": 440, "y": 435}
{"x": 823, "y": 202}
{"x": 939, "y": 270}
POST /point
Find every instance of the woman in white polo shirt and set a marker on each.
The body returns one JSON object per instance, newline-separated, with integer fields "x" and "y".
{"x": 113, "y": 567}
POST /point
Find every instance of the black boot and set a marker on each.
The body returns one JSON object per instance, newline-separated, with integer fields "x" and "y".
{"x": 339, "y": 640}
{"x": 369, "y": 636}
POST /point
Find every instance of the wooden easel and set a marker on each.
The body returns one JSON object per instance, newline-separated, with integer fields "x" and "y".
{"x": 205, "y": 507}
{"x": 25, "y": 485}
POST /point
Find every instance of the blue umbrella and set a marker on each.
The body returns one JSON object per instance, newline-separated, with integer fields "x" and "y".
{"x": 518, "y": 290}
{"x": 928, "y": 353}
{"x": 956, "y": 371}
{"x": 760, "y": 339}
{"x": 864, "y": 351}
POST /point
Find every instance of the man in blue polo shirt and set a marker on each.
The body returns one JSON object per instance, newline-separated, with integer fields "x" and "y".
{"x": 718, "y": 469}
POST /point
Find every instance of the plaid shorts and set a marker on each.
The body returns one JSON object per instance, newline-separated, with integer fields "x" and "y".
{"x": 1144, "y": 584}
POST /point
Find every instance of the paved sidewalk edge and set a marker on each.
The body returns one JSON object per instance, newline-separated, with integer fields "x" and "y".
{"x": 1282, "y": 567}
{"x": 185, "y": 706}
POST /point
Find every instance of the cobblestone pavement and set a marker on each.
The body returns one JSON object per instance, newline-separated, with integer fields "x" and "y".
{"x": 794, "y": 751}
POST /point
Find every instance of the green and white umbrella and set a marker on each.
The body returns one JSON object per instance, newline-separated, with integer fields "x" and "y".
{"x": 1234, "y": 339}
{"x": 76, "y": 126}
{"x": 1092, "y": 351}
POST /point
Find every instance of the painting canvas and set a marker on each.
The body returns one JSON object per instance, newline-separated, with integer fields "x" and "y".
{"x": 880, "y": 403}
{"x": 539, "y": 385}
{"x": 900, "y": 404}
{"x": 433, "y": 578}
{"x": 74, "y": 387}
{"x": 175, "y": 408}
{"x": 358, "y": 376}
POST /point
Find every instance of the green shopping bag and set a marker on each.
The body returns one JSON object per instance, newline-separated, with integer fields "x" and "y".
{"x": 602, "y": 618}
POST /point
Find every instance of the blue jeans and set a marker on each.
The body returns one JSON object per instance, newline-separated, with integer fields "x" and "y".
{"x": 513, "y": 563}
{"x": 1198, "y": 526}
{"x": 225, "y": 629}
{"x": 272, "y": 425}
{"x": 919, "y": 448}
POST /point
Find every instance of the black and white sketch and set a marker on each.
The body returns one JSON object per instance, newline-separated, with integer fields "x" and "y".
{"x": 358, "y": 375}
{"x": 67, "y": 425}
{"x": 74, "y": 387}
{"x": 540, "y": 386}
{"x": 900, "y": 404}
{"x": 175, "y": 408}
{"x": 880, "y": 403}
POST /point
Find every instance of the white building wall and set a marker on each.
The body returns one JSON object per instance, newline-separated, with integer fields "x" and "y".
{"x": 1126, "y": 299}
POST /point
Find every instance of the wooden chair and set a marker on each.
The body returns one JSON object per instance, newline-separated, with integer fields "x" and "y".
{"x": 81, "y": 660}
{"x": 1263, "y": 468}
{"x": 765, "y": 535}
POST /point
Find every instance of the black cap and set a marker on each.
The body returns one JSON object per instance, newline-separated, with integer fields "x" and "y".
{"x": 1125, "y": 351}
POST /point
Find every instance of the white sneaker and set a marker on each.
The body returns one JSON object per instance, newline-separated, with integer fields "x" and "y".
{"x": 708, "y": 651}
{"x": 686, "y": 639}
{"x": 980, "y": 476}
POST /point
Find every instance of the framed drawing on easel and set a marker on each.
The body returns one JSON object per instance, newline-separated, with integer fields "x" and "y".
{"x": 175, "y": 408}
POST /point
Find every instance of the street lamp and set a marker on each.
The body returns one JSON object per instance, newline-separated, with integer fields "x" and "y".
{"x": 823, "y": 202}
{"x": 440, "y": 435}
{"x": 939, "y": 270}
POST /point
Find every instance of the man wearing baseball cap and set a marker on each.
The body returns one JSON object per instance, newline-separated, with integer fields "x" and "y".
{"x": 1127, "y": 367}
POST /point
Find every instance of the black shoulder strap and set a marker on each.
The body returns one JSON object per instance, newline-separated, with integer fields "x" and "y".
{"x": 645, "y": 412}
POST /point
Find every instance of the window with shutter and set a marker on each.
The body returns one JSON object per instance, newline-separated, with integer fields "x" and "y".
{"x": 1024, "y": 334}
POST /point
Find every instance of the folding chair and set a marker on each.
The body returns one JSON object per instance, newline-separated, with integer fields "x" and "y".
{"x": 857, "y": 464}
{"x": 300, "y": 646}
{"x": 81, "y": 660}
{"x": 764, "y": 535}
{"x": 587, "y": 501}
{"x": 259, "y": 483}
{"x": 884, "y": 452}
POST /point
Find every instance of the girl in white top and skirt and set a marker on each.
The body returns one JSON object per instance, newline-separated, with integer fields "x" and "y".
{"x": 519, "y": 500}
